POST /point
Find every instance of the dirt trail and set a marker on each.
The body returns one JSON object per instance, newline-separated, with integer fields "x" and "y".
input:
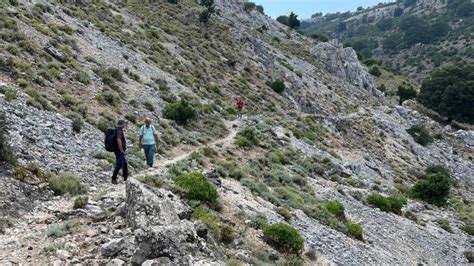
{"x": 232, "y": 126}
{"x": 26, "y": 241}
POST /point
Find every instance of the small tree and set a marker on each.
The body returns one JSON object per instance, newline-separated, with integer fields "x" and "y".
{"x": 206, "y": 14}
{"x": 435, "y": 186}
{"x": 6, "y": 152}
{"x": 293, "y": 21}
{"x": 406, "y": 92}
{"x": 398, "y": 12}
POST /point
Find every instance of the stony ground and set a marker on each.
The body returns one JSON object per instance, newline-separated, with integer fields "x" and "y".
{"x": 340, "y": 139}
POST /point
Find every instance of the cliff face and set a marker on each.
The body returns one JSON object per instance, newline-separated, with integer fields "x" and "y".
{"x": 95, "y": 62}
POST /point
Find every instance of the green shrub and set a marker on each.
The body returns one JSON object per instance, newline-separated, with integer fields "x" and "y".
{"x": 420, "y": 134}
{"x": 284, "y": 237}
{"x": 66, "y": 184}
{"x": 278, "y": 157}
{"x": 406, "y": 92}
{"x": 435, "y": 186}
{"x": 10, "y": 94}
{"x": 335, "y": 207}
{"x": 375, "y": 71}
{"x": 227, "y": 234}
{"x": 197, "y": 187}
{"x": 77, "y": 122}
{"x": 284, "y": 212}
{"x": 104, "y": 123}
{"x": 469, "y": 228}
{"x": 444, "y": 224}
{"x": 80, "y": 202}
{"x": 153, "y": 180}
{"x": 386, "y": 204}
{"x": 355, "y": 230}
{"x": 82, "y": 77}
{"x": 181, "y": 112}
{"x": 278, "y": 86}
{"x": 6, "y": 152}
{"x": 202, "y": 214}
{"x": 56, "y": 231}
{"x": 247, "y": 137}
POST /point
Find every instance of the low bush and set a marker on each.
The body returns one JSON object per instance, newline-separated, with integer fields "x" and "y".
{"x": 249, "y": 6}
{"x": 278, "y": 86}
{"x": 355, "y": 230}
{"x": 434, "y": 187}
{"x": 335, "y": 207}
{"x": 153, "y": 180}
{"x": 284, "y": 212}
{"x": 227, "y": 234}
{"x": 77, "y": 122}
{"x": 60, "y": 230}
{"x": 10, "y": 94}
{"x": 197, "y": 187}
{"x": 469, "y": 228}
{"x": 6, "y": 152}
{"x": 386, "y": 204}
{"x": 247, "y": 137}
{"x": 420, "y": 134}
{"x": 80, "y": 202}
{"x": 203, "y": 215}
{"x": 181, "y": 112}
{"x": 375, "y": 71}
{"x": 66, "y": 184}
{"x": 278, "y": 157}
{"x": 444, "y": 224}
{"x": 284, "y": 237}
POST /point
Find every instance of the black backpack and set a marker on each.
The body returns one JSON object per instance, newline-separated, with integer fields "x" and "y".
{"x": 110, "y": 139}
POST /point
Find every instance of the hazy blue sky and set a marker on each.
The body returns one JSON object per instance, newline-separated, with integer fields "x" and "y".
{"x": 305, "y": 8}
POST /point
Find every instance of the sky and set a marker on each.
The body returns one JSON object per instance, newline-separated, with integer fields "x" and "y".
{"x": 305, "y": 8}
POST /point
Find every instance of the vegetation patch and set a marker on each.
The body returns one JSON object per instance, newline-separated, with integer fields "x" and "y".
{"x": 434, "y": 187}
{"x": 181, "y": 112}
{"x": 6, "y": 152}
{"x": 284, "y": 237}
{"x": 66, "y": 184}
{"x": 386, "y": 204}
{"x": 420, "y": 134}
{"x": 80, "y": 202}
{"x": 197, "y": 187}
{"x": 247, "y": 138}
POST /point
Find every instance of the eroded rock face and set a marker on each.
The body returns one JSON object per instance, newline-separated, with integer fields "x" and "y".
{"x": 343, "y": 63}
{"x": 157, "y": 218}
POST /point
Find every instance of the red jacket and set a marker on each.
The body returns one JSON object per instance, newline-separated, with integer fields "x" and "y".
{"x": 240, "y": 104}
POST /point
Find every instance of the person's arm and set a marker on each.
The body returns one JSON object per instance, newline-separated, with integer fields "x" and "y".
{"x": 140, "y": 139}
{"x": 119, "y": 143}
{"x": 155, "y": 134}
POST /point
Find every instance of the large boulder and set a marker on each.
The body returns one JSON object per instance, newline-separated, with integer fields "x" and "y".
{"x": 159, "y": 222}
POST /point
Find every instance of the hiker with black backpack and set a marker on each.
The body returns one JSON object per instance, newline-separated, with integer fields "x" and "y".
{"x": 148, "y": 141}
{"x": 115, "y": 142}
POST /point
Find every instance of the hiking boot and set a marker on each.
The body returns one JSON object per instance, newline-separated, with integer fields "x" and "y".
{"x": 125, "y": 178}
{"x": 114, "y": 181}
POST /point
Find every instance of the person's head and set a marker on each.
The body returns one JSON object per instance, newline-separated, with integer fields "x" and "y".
{"x": 121, "y": 124}
{"x": 148, "y": 121}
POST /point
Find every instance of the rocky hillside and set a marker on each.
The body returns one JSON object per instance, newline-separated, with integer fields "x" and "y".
{"x": 321, "y": 168}
{"x": 410, "y": 36}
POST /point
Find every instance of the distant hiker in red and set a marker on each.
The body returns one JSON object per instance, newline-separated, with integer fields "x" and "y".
{"x": 240, "y": 106}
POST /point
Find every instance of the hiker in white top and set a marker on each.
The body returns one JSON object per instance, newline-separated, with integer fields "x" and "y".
{"x": 149, "y": 141}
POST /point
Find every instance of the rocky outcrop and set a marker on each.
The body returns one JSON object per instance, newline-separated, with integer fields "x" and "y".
{"x": 158, "y": 220}
{"x": 343, "y": 63}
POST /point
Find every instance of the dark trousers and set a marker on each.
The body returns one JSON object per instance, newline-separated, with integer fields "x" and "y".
{"x": 149, "y": 154}
{"x": 120, "y": 163}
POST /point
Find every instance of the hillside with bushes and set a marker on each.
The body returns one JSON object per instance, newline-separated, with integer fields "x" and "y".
{"x": 321, "y": 168}
{"x": 412, "y": 37}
